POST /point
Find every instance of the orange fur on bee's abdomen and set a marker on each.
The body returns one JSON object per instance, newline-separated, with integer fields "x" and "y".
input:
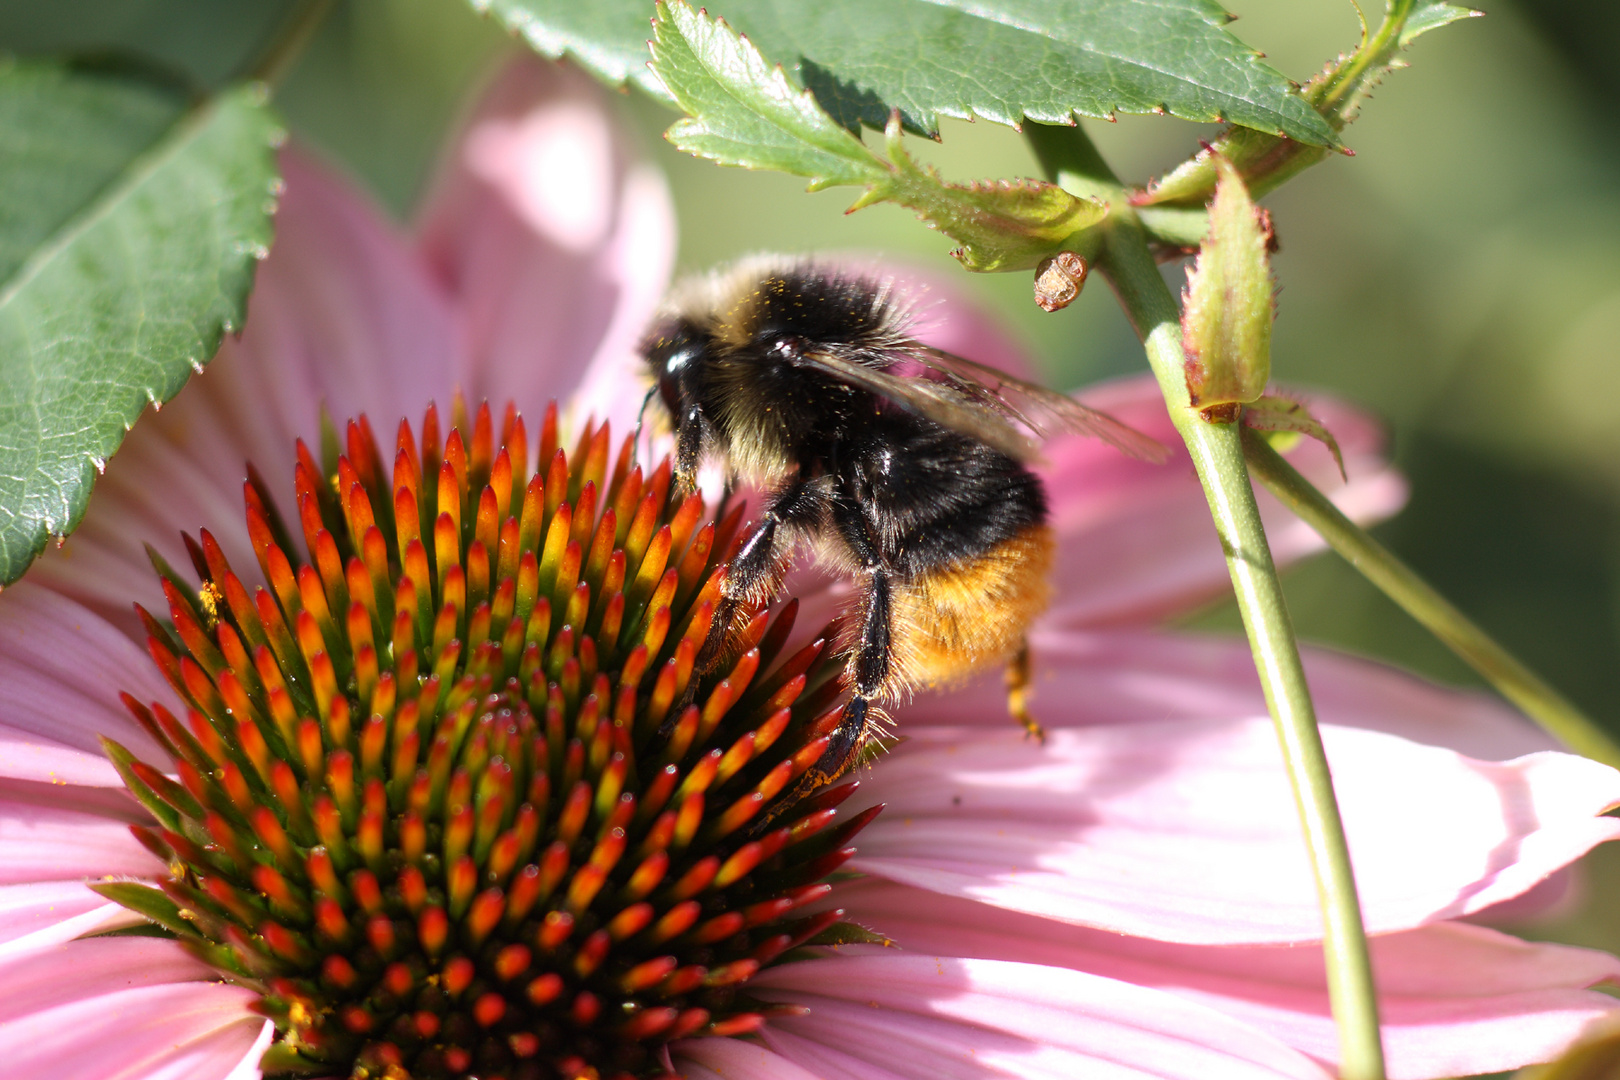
{"x": 960, "y": 619}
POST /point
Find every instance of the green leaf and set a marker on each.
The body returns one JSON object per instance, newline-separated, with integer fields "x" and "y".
{"x": 1004, "y": 60}
{"x": 1431, "y": 15}
{"x": 131, "y": 221}
{"x": 1226, "y": 320}
{"x": 743, "y": 111}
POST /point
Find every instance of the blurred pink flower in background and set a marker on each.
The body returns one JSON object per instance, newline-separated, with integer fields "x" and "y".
{"x": 1131, "y": 898}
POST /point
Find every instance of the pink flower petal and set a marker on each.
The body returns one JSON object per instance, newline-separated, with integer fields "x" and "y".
{"x": 85, "y": 970}
{"x": 190, "y": 1030}
{"x": 248, "y": 1067}
{"x": 1454, "y": 999}
{"x": 1135, "y": 539}
{"x": 343, "y": 315}
{"x": 26, "y": 909}
{"x": 48, "y": 707}
{"x": 555, "y": 241}
{"x": 28, "y": 756}
{"x": 97, "y": 920}
{"x": 1120, "y": 676}
{"x": 1186, "y": 830}
{"x": 928, "y": 1017}
{"x": 41, "y": 840}
{"x": 733, "y": 1059}
{"x": 113, "y": 803}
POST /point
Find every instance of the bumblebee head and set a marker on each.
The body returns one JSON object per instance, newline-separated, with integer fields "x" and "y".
{"x": 675, "y": 351}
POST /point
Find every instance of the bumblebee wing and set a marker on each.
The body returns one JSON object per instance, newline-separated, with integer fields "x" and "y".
{"x": 1045, "y": 412}
{"x": 945, "y": 403}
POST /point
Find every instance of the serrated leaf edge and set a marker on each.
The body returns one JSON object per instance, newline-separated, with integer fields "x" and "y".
{"x": 181, "y": 134}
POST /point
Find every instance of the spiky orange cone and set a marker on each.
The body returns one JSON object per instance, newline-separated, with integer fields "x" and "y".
{"x": 439, "y": 800}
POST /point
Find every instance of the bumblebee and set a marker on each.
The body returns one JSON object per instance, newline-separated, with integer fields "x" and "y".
{"x": 905, "y": 465}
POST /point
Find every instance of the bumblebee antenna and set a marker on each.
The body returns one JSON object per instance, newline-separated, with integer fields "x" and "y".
{"x": 635, "y": 441}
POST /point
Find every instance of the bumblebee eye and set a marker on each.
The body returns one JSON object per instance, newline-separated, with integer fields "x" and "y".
{"x": 679, "y": 356}
{"x": 673, "y": 354}
{"x": 675, "y": 364}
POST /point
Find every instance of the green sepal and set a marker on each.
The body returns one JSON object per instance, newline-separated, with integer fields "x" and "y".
{"x": 1281, "y": 413}
{"x": 124, "y": 761}
{"x": 848, "y": 933}
{"x": 146, "y": 929}
{"x": 1227, "y": 314}
{"x": 146, "y": 901}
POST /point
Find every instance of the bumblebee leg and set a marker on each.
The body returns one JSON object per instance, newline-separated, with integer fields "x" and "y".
{"x": 843, "y": 750}
{"x": 1018, "y": 683}
{"x": 689, "y": 446}
{"x": 869, "y": 662}
{"x": 844, "y": 746}
{"x": 756, "y": 566}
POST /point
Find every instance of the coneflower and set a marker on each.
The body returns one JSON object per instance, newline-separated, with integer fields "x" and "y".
{"x": 1129, "y": 897}
{"x": 451, "y": 798}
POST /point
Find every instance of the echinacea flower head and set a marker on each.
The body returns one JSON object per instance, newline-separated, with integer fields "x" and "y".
{"x": 449, "y": 799}
{"x": 426, "y": 783}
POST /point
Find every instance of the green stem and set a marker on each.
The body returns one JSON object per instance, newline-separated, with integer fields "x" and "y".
{"x": 1346, "y": 79}
{"x": 1178, "y": 226}
{"x": 1401, "y": 584}
{"x": 278, "y": 57}
{"x": 1217, "y": 453}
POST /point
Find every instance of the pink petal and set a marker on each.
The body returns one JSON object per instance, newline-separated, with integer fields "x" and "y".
{"x": 248, "y": 1067}
{"x": 42, "y": 840}
{"x": 84, "y": 970}
{"x": 1186, "y": 830}
{"x": 26, "y": 908}
{"x": 37, "y": 906}
{"x": 24, "y": 754}
{"x": 61, "y": 668}
{"x": 343, "y": 314}
{"x": 555, "y": 240}
{"x": 940, "y": 1016}
{"x": 734, "y": 1059}
{"x": 1136, "y": 541}
{"x": 191, "y": 1030}
{"x": 1120, "y": 676}
{"x": 98, "y": 920}
{"x": 1454, "y": 999}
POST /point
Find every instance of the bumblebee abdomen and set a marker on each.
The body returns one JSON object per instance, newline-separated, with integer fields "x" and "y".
{"x": 955, "y": 620}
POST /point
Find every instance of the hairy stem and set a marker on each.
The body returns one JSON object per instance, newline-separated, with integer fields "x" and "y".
{"x": 1401, "y": 584}
{"x": 1071, "y": 160}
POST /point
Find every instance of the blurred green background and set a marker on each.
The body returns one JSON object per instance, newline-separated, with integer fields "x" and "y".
{"x": 1459, "y": 276}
